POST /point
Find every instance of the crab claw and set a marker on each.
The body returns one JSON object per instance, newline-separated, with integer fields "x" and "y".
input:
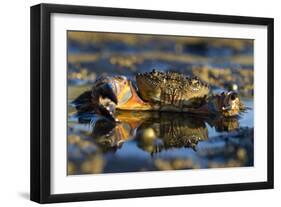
{"x": 103, "y": 96}
{"x": 229, "y": 104}
{"x": 105, "y": 88}
{"x": 101, "y": 99}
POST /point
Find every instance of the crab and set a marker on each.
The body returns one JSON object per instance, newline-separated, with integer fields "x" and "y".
{"x": 157, "y": 91}
{"x": 154, "y": 131}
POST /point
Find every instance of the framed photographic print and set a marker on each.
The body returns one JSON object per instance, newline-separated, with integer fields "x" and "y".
{"x": 133, "y": 103}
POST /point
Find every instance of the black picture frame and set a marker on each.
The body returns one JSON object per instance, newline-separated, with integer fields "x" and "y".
{"x": 41, "y": 99}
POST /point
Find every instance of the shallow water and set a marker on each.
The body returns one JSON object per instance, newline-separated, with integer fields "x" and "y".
{"x": 145, "y": 141}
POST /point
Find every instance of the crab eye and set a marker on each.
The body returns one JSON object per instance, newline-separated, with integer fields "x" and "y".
{"x": 194, "y": 82}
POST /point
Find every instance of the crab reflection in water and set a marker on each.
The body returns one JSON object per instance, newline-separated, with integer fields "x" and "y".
{"x": 159, "y": 134}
